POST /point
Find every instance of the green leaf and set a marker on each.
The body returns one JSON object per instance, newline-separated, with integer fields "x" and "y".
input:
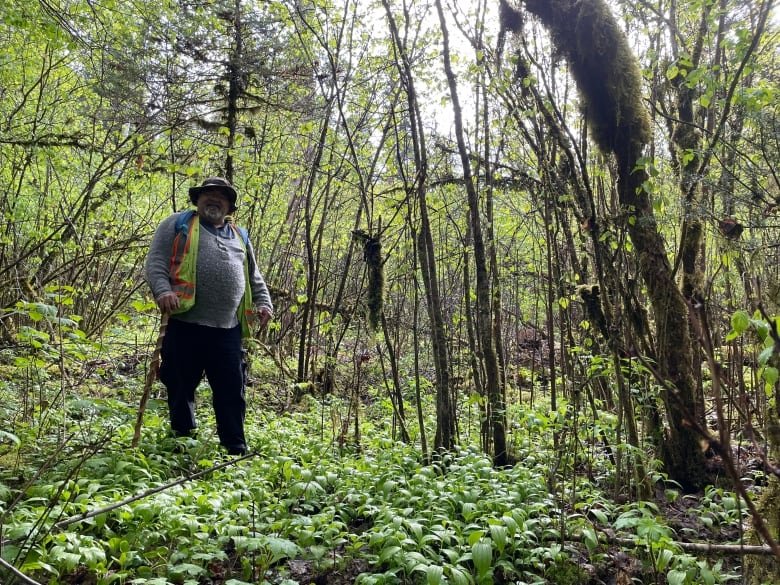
{"x": 458, "y": 576}
{"x": 511, "y": 524}
{"x": 740, "y": 321}
{"x": 498, "y": 533}
{"x": 482, "y": 555}
{"x": 475, "y": 536}
{"x": 765, "y": 354}
{"x": 388, "y": 553}
{"x": 433, "y": 574}
{"x": 771, "y": 375}
{"x": 663, "y": 559}
{"x": 187, "y": 569}
{"x": 6, "y": 437}
{"x": 590, "y": 539}
{"x": 761, "y": 327}
{"x": 281, "y": 548}
{"x": 675, "y": 577}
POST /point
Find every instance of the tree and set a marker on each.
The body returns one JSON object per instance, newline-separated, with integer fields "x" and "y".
{"x": 445, "y": 409}
{"x": 609, "y": 81}
{"x": 494, "y": 390}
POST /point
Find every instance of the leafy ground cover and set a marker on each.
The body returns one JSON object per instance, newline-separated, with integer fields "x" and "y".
{"x": 310, "y": 504}
{"x": 301, "y": 509}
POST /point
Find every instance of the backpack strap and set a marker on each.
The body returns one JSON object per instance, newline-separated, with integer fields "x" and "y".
{"x": 244, "y": 235}
{"x": 183, "y": 222}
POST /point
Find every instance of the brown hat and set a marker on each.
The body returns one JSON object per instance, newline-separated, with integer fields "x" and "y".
{"x": 215, "y": 184}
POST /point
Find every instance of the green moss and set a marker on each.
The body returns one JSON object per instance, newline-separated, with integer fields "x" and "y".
{"x": 605, "y": 70}
{"x": 565, "y": 572}
{"x": 761, "y": 570}
{"x": 372, "y": 254}
{"x": 376, "y": 280}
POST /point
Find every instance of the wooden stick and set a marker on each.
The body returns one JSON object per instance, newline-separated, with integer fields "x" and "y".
{"x": 692, "y": 547}
{"x": 17, "y": 573}
{"x": 151, "y": 376}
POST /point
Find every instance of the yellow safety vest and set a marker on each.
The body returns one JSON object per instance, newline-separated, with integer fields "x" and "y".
{"x": 183, "y": 268}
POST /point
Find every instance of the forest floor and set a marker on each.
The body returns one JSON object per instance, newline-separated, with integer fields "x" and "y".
{"x": 315, "y": 506}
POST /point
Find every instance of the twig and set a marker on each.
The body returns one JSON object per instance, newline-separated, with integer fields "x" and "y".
{"x": 17, "y": 573}
{"x": 721, "y": 445}
{"x": 150, "y": 492}
{"x": 151, "y": 375}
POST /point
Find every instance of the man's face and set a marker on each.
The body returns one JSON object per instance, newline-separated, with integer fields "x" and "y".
{"x": 213, "y": 206}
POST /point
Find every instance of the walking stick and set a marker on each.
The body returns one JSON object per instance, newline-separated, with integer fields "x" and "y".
{"x": 151, "y": 375}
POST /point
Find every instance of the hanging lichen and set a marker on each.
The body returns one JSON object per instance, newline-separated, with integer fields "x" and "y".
{"x": 372, "y": 254}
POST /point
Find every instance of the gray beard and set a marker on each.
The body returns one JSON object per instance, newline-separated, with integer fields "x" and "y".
{"x": 212, "y": 214}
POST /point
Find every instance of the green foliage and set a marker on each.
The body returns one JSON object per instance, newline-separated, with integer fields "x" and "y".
{"x": 759, "y": 332}
{"x": 458, "y": 520}
{"x": 105, "y": 122}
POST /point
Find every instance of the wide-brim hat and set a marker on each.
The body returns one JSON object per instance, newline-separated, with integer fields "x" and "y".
{"x": 215, "y": 184}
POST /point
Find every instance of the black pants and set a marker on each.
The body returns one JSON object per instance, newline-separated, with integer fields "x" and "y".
{"x": 188, "y": 351}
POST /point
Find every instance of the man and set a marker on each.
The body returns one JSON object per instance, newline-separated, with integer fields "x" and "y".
{"x": 202, "y": 272}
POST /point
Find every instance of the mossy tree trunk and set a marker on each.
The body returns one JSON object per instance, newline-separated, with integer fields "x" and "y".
{"x": 609, "y": 81}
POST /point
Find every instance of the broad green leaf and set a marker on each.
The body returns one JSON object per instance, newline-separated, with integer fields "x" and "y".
{"x": 458, "y": 576}
{"x": 281, "y": 548}
{"x": 388, "y": 553}
{"x": 482, "y": 555}
{"x": 675, "y": 577}
{"x": 475, "y": 537}
{"x": 765, "y": 354}
{"x": 589, "y": 538}
{"x": 6, "y": 437}
{"x": 600, "y": 515}
{"x": 498, "y": 533}
{"x": 663, "y": 559}
{"x": 740, "y": 321}
{"x": 434, "y": 574}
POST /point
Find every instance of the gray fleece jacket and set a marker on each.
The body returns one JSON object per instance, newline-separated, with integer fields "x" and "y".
{"x": 219, "y": 283}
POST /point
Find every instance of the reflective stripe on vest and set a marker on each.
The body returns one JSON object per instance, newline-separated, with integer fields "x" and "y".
{"x": 182, "y": 265}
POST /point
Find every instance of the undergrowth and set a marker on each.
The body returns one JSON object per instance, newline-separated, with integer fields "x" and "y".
{"x": 312, "y": 505}
{"x": 302, "y": 508}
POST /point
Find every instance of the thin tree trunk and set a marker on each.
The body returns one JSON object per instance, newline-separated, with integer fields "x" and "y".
{"x": 416, "y": 344}
{"x": 445, "y": 409}
{"x": 396, "y": 395}
{"x": 234, "y": 89}
{"x": 308, "y": 307}
{"x": 484, "y": 321}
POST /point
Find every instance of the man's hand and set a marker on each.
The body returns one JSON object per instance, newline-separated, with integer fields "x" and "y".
{"x": 263, "y": 316}
{"x": 168, "y": 302}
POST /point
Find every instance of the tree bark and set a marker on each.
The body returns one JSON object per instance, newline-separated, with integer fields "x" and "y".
{"x": 445, "y": 409}
{"x": 609, "y": 80}
{"x": 484, "y": 320}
